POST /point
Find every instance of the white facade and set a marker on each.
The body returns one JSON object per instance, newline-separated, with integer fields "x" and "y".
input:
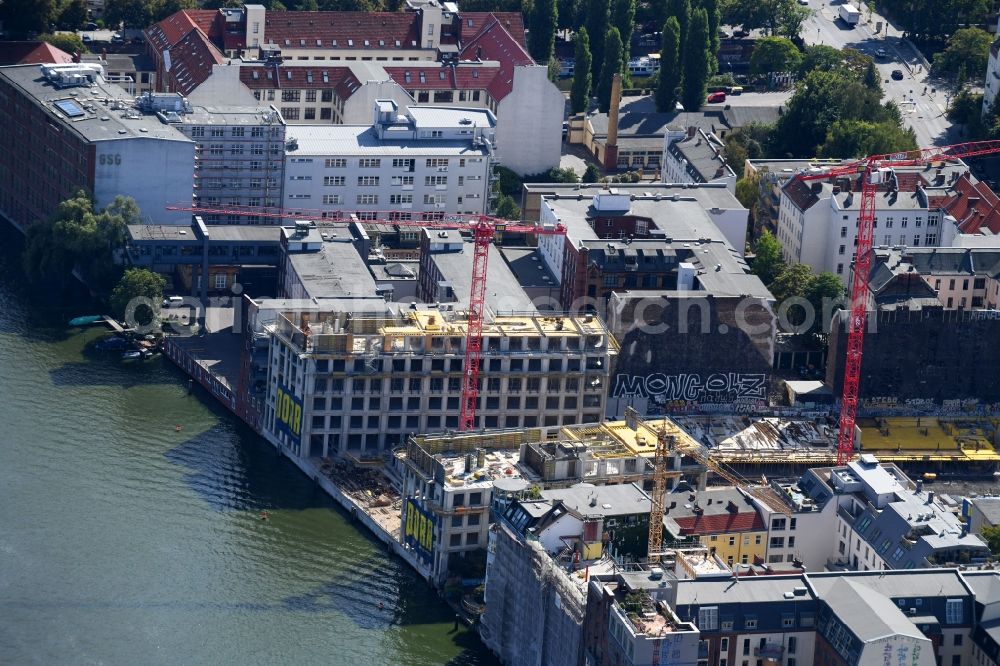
{"x": 677, "y": 169}
{"x": 823, "y": 235}
{"x": 154, "y": 172}
{"x": 393, "y": 170}
{"x": 529, "y": 122}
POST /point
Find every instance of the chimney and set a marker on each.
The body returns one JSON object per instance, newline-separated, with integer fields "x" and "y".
{"x": 611, "y": 146}
{"x": 692, "y": 131}
{"x": 76, "y": 56}
{"x": 104, "y": 55}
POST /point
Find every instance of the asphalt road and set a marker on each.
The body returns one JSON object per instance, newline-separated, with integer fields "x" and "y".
{"x": 923, "y": 111}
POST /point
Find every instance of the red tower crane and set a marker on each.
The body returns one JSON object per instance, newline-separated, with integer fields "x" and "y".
{"x": 483, "y": 228}
{"x": 874, "y": 171}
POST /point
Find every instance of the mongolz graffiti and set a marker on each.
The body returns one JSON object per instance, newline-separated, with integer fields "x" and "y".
{"x": 718, "y": 387}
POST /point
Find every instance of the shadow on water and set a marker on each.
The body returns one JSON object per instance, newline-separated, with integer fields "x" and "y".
{"x": 244, "y": 473}
{"x": 108, "y": 369}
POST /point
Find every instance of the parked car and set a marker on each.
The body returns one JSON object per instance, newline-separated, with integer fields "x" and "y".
{"x": 881, "y": 53}
{"x": 741, "y": 33}
{"x": 717, "y": 97}
{"x": 91, "y": 26}
{"x": 897, "y": 75}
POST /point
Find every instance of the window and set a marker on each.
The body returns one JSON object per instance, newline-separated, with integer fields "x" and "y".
{"x": 957, "y": 639}
{"x": 291, "y": 95}
{"x": 843, "y": 232}
{"x": 746, "y": 646}
{"x": 370, "y": 163}
{"x": 221, "y": 280}
{"x": 367, "y": 199}
{"x": 367, "y": 181}
{"x": 310, "y": 95}
{"x": 402, "y": 164}
{"x": 749, "y": 621}
{"x": 289, "y": 113}
{"x": 436, "y": 162}
{"x": 841, "y": 249}
{"x": 400, "y": 198}
{"x": 953, "y": 611}
{"x": 336, "y": 163}
{"x": 197, "y": 132}
{"x": 332, "y": 199}
{"x": 334, "y": 181}
{"x": 840, "y": 269}
{"x": 435, "y": 180}
{"x": 310, "y": 114}
{"x": 708, "y": 618}
{"x": 792, "y": 643}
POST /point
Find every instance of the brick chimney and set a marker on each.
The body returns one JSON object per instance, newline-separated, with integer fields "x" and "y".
{"x": 611, "y": 146}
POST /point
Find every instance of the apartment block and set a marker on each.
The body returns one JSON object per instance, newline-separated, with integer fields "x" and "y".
{"x": 422, "y": 164}
{"x": 696, "y": 156}
{"x": 85, "y": 133}
{"x": 960, "y": 278}
{"x": 724, "y": 520}
{"x": 364, "y": 376}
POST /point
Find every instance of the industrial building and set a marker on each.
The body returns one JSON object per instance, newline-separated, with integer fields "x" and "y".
{"x": 85, "y": 134}
{"x": 424, "y": 162}
{"x": 203, "y": 259}
{"x": 329, "y": 67}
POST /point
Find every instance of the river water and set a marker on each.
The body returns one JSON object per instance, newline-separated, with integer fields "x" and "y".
{"x": 124, "y": 540}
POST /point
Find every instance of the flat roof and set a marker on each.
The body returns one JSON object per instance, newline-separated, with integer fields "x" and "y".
{"x": 588, "y": 500}
{"x": 336, "y": 271}
{"x": 100, "y": 112}
{"x": 709, "y": 195}
{"x": 527, "y": 266}
{"x": 749, "y": 589}
{"x": 503, "y": 291}
{"x": 219, "y": 232}
{"x": 362, "y": 140}
{"x": 230, "y": 115}
{"x": 450, "y": 116}
{"x": 896, "y": 584}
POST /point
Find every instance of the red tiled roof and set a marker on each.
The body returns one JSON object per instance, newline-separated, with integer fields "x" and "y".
{"x": 30, "y": 53}
{"x": 974, "y": 205}
{"x": 207, "y": 20}
{"x": 260, "y": 77}
{"x": 171, "y": 30}
{"x": 720, "y": 523}
{"x": 438, "y": 77}
{"x": 473, "y": 22}
{"x": 381, "y": 29}
{"x": 493, "y": 42}
{"x": 191, "y": 61}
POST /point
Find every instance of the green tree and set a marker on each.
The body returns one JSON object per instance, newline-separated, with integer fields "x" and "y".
{"x": 670, "y": 67}
{"x": 24, "y": 18}
{"x": 569, "y": 16}
{"x": 968, "y": 47}
{"x": 138, "y": 283}
{"x": 749, "y": 142}
{"x": 967, "y": 109}
{"x": 544, "y": 20}
{"x": 561, "y": 175}
{"x": 823, "y": 290}
{"x": 791, "y": 16}
{"x": 579, "y": 96}
{"x": 308, "y": 6}
{"x": 991, "y": 535}
{"x": 849, "y": 62}
{"x": 792, "y": 282}
{"x": 748, "y": 192}
{"x": 598, "y": 20}
{"x": 507, "y": 208}
{"x": 162, "y": 10}
{"x": 591, "y": 174}
{"x": 623, "y": 18}
{"x": 857, "y": 138}
{"x": 681, "y": 10}
{"x": 72, "y": 15}
{"x": 767, "y": 262}
{"x": 130, "y": 13}
{"x": 696, "y": 63}
{"x": 612, "y": 66}
{"x": 871, "y": 78}
{"x": 775, "y": 17}
{"x": 69, "y": 42}
{"x": 821, "y": 99}
{"x": 79, "y": 237}
{"x": 774, "y": 55}
{"x": 714, "y": 18}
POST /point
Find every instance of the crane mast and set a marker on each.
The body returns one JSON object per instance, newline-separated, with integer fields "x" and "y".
{"x": 661, "y": 459}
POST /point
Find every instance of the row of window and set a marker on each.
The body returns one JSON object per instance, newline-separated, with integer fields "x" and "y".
{"x": 435, "y": 422}
{"x": 709, "y": 620}
{"x": 198, "y": 131}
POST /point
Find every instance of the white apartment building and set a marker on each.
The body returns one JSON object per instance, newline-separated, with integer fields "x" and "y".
{"x": 239, "y": 154}
{"x": 428, "y": 161}
{"x": 818, "y": 220}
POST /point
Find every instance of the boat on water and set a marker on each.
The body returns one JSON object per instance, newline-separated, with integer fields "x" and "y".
{"x": 112, "y": 344}
{"x": 131, "y": 355}
{"x": 86, "y": 320}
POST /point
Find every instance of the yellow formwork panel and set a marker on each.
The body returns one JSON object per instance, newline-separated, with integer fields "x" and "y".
{"x": 912, "y": 439}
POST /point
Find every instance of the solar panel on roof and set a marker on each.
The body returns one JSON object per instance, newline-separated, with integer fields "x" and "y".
{"x": 70, "y": 108}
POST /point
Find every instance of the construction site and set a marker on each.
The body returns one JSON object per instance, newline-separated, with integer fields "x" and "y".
{"x": 932, "y": 446}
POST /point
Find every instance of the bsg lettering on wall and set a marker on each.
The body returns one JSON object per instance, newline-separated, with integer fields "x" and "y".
{"x": 720, "y": 387}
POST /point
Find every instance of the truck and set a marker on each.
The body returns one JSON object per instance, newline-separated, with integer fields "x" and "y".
{"x": 849, "y": 14}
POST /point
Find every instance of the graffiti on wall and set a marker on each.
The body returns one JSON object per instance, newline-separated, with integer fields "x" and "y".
{"x": 891, "y": 405}
{"x": 679, "y": 391}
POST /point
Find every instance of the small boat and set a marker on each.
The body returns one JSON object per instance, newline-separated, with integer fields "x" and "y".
{"x": 86, "y": 320}
{"x": 130, "y": 355}
{"x": 111, "y": 344}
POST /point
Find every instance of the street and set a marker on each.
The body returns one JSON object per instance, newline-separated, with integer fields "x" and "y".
{"x": 924, "y": 112}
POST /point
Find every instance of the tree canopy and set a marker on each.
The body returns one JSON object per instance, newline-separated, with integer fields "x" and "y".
{"x": 543, "y": 21}
{"x": 774, "y": 55}
{"x": 24, "y": 18}
{"x": 598, "y": 20}
{"x": 79, "y": 237}
{"x": 775, "y": 17}
{"x": 623, "y": 18}
{"x": 579, "y": 96}
{"x": 69, "y": 42}
{"x": 670, "y": 67}
{"x": 138, "y": 283}
{"x": 965, "y": 56}
{"x": 767, "y": 262}
{"x": 612, "y": 65}
{"x": 857, "y": 138}
{"x": 697, "y": 60}
{"x": 934, "y": 19}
